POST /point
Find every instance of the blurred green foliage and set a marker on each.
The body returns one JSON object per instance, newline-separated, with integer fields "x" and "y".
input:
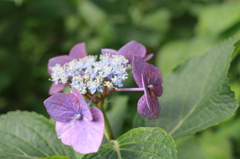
{"x": 32, "y": 31}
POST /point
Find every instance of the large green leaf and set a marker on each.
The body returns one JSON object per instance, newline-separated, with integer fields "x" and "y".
{"x": 138, "y": 143}
{"x": 196, "y": 95}
{"x": 29, "y": 135}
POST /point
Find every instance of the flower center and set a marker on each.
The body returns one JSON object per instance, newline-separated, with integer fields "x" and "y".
{"x": 150, "y": 87}
{"x": 89, "y": 76}
{"x": 77, "y": 116}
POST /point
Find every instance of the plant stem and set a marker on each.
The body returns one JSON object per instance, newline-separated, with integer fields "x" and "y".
{"x": 129, "y": 89}
{"x": 107, "y": 128}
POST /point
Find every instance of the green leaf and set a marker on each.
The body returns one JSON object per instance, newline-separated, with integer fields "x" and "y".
{"x": 29, "y": 135}
{"x": 230, "y": 129}
{"x": 188, "y": 147}
{"x": 196, "y": 95}
{"x": 235, "y": 86}
{"x": 158, "y": 20}
{"x": 207, "y": 145}
{"x": 178, "y": 51}
{"x": 51, "y": 9}
{"x": 215, "y": 146}
{"x": 117, "y": 113}
{"x": 211, "y": 17}
{"x": 93, "y": 15}
{"x": 138, "y": 143}
{"x": 57, "y": 157}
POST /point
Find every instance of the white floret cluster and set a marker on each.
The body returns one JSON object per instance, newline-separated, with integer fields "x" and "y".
{"x": 89, "y": 75}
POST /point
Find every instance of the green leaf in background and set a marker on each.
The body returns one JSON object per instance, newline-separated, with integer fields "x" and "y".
{"x": 138, "y": 143}
{"x": 178, "y": 51}
{"x": 215, "y": 146}
{"x": 29, "y": 135}
{"x": 57, "y": 157}
{"x": 196, "y": 95}
{"x": 236, "y": 89}
{"x": 51, "y": 9}
{"x": 217, "y": 18}
{"x": 229, "y": 130}
{"x": 208, "y": 145}
{"x": 188, "y": 147}
{"x": 158, "y": 20}
{"x": 93, "y": 15}
{"x": 116, "y": 114}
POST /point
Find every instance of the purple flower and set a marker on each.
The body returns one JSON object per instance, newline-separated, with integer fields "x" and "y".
{"x": 77, "y": 125}
{"x": 78, "y": 51}
{"x": 149, "y": 78}
{"x": 130, "y": 49}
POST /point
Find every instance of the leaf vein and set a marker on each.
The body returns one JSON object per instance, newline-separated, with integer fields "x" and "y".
{"x": 26, "y": 142}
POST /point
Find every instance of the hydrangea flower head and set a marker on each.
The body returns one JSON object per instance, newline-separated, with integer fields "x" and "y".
{"x": 77, "y": 125}
{"x": 149, "y": 78}
{"x": 78, "y": 51}
{"x": 128, "y": 50}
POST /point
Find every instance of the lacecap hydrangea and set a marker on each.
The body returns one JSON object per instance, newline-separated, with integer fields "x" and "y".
{"x": 93, "y": 78}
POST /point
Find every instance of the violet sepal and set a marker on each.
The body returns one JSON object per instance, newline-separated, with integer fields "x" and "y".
{"x": 77, "y": 125}
{"x": 148, "y": 76}
{"x": 77, "y": 51}
{"x": 128, "y": 50}
{"x": 55, "y": 88}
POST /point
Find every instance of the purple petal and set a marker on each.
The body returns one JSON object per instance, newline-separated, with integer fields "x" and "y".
{"x": 62, "y": 107}
{"x": 137, "y": 70}
{"x": 110, "y": 51}
{"x": 149, "y": 107}
{"x": 146, "y": 74}
{"x": 84, "y": 109}
{"x": 132, "y": 48}
{"x": 78, "y": 51}
{"x": 55, "y": 88}
{"x": 152, "y": 76}
{"x": 84, "y": 135}
{"x": 79, "y": 97}
{"x": 58, "y": 60}
{"x": 148, "y": 57}
{"x": 152, "y": 107}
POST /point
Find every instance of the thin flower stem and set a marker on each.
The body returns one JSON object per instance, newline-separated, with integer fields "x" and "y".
{"x": 129, "y": 89}
{"x": 107, "y": 128}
